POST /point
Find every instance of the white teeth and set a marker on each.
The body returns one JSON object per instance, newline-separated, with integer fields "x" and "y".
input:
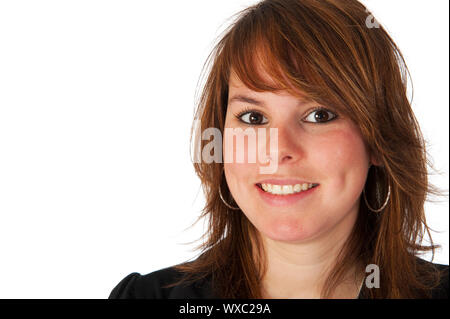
{"x": 276, "y": 189}
{"x": 286, "y": 189}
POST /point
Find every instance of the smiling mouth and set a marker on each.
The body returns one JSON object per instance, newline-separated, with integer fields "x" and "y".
{"x": 285, "y": 189}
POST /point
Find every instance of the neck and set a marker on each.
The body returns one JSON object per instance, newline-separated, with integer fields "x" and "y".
{"x": 299, "y": 270}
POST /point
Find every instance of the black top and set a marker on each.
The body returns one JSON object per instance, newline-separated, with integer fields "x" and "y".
{"x": 137, "y": 286}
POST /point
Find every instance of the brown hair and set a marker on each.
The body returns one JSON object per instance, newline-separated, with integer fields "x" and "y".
{"x": 325, "y": 50}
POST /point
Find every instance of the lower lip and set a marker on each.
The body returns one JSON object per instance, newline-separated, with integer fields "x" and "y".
{"x": 284, "y": 200}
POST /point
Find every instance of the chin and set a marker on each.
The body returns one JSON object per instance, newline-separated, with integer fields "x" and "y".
{"x": 288, "y": 230}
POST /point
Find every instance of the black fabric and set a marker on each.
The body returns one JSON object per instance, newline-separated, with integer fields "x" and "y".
{"x": 150, "y": 286}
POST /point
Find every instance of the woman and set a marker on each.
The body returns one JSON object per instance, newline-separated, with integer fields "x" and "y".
{"x": 348, "y": 192}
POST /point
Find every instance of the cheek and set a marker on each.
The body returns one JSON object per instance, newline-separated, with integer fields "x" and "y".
{"x": 342, "y": 156}
{"x": 238, "y": 171}
{"x": 240, "y": 146}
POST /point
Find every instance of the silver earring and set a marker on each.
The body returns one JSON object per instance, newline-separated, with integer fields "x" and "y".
{"x": 385, "y": 202}
{"x": 226, "y": 204}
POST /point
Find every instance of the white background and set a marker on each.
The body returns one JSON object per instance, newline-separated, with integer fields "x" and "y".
{"x": 96, "y": 104}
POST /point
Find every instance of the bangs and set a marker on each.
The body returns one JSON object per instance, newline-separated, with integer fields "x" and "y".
{"x": 265, "y": 56}
{"x": 273, "y": 47}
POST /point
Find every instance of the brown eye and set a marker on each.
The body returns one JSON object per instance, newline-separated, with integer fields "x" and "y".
{"x": 320, "y": 115}
{"x": 252, "y": 117}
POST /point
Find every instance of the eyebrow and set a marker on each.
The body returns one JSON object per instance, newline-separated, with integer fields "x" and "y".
{"x": 250, "y": 100}
{"x": 246, "y": 99}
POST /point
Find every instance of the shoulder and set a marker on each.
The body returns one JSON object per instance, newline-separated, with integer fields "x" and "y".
{"x": 442, "y": 290}
{"x": 153, "y": 286}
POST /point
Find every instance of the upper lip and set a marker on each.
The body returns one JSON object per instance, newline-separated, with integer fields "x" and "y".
{"x": 284, "y": 181}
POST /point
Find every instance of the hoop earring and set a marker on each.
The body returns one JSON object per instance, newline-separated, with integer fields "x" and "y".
{"x": 226, "y": 204}
{"x": 385, "y": 202}
{"x": 223, "y": 200}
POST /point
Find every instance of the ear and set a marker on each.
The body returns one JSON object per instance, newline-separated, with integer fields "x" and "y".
{"x": 374, "y": 161}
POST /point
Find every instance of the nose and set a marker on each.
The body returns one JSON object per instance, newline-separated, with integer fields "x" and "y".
{"x": 289, "y": 149}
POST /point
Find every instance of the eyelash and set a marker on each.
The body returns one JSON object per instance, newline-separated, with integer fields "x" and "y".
{"x": 319, "y": 108}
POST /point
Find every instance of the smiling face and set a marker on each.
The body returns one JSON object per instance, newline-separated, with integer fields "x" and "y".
{"x": 315, "y": 146}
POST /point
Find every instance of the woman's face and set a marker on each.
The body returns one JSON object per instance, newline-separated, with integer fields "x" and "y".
{"x": 314, "y": 147}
